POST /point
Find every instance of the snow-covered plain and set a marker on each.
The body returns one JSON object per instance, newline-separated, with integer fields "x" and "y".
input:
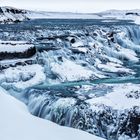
{"x": 10, "y": 15}
{"x": 133, "y": 15}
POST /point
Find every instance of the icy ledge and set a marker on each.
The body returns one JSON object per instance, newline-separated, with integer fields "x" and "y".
{"x": 22, "y": 77}
{"x": 14, "y": 46}
{"x": 123, "y": 96}
{"x": 18, "y": 124}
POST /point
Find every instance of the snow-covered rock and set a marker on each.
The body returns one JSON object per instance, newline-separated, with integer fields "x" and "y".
{"x": 16, "y": 50}
{"x": 69, "y": 71}
{"x": 12, "y": 15}
{"x": 110, "y": 111}
{"x": 22, "y": 77}
{"x": 123, "y": 96}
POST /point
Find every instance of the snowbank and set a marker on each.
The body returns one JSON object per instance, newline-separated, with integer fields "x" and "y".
{"x": 123, "y": 96}
{"x": 17, "y": 124}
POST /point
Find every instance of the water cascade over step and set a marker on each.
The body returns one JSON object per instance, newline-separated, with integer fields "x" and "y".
{"x": 67, "y": 53}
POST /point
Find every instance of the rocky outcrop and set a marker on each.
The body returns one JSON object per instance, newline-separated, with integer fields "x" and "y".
{"x": 131, "y": 13}
{"x": 16, "y": 50}
{"x": 69, "y": 108}
{"x": 18, "y": 55}
{"x": 12, "y": 15}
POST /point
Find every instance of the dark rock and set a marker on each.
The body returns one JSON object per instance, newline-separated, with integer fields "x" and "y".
{"x": 9, "y": 55}
{"x": 60, "y": 58}
{"x": 131, "y": 13}
{"x": 73, "y": 41}
{"x": 77, "y": 51}
{"x": 1, "y": 11}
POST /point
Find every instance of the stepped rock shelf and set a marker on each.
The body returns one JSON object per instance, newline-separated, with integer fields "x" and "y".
{"x": 16, "y": 50}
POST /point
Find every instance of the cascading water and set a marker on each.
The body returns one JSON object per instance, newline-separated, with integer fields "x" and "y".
{"x": 73, "y": 58}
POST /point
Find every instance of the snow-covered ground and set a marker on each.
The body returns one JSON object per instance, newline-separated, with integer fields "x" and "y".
{"x": 60, "y": 15}
{"x": 10, "y": 14}
{"x": 17, "y": 124}
{"x": 133, "y": 15}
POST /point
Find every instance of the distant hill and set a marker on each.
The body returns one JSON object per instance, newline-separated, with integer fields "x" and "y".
{"x": 14, "y": 15}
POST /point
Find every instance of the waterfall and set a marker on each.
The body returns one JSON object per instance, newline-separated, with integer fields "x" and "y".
{"x": 71, "y": 109}
{"x": 72, "y": 54}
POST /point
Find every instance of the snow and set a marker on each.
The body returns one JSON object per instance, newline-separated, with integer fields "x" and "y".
{"x": 64, "y": 102}
{"x": 113, "y": 60}
{"x": 22, "y": 77}
{"x": 118, "y": 99}
{"x": 80, "y": 49}
{"x": 17, "y": 124}
{"x": 108, "y": 16}
{"x": 60, "y": 15}
{"x": 14, "y": 61}
{"x": 112, "y": 67}
{"x": 14, "y": 46}
{"x": 137, "y": 20}
{"x": 129, "y": 54}
{"x": 121, "y": 14}
{"x": 77, "y": 44}
{"x": 70, "y": 71}
{"x": 10, "y": 17}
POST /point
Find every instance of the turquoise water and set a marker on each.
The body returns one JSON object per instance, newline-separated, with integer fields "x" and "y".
{"x": 121, "y": 80}
{"x": 65, "y": 24}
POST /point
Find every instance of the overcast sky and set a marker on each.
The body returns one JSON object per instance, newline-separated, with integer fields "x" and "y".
{"x": 87, "y": 6}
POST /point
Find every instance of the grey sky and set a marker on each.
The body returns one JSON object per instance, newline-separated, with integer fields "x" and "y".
{"x": 72, "y": 5}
